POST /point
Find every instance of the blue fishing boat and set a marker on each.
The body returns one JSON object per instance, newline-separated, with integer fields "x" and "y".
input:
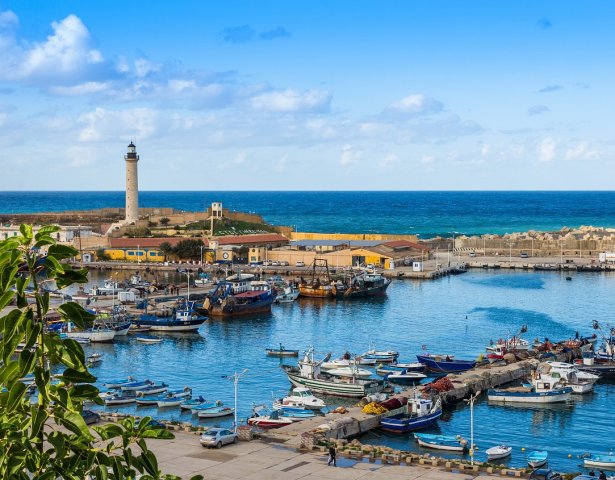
{"x": 153, "y": 400}
{"x": 134, "y": 386}
{"x": 190, "y": 404}
{"x": 216, "y": 412}
{"x": 420, "y": 413}
{"x": 451, "y": 443}
{"x": 537, "y": 392}
{"x": 445, "y": 364}
{"x": 118, "y": 383}
{"x": 203, "y": 406}
{"x": 537, "y": 459}
{"x": 183, "y": 318}
{"x": 152, "y": 389}
{"x": 295, "y": 414}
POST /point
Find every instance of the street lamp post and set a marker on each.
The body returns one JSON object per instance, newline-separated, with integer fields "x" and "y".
{"x": 510, "y": 244}
{"x": 561, "y": 252}
{"x": 235, "y": 378}
{"x": 470, "y": 401}
{"x": 202, "y": 255}
{"x": 187, "y": 273}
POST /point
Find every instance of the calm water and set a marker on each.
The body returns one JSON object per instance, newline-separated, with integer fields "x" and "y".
{"x": 458, "y": 315}
{"x": 425, "y": 213}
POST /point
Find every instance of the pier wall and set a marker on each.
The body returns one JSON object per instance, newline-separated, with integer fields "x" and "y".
{"x": 350, "y": 236}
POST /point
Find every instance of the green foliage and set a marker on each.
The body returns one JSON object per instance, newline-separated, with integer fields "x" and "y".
{"x": 48, "y": 439}
{"x": 185, "y": 249}
{"x": 137, "y": 232}
{"x": 101, "y": 255}
{"x": 164, "y": 221}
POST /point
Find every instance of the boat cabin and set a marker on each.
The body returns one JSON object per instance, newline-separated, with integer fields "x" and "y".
{"x": 240, "y": 282}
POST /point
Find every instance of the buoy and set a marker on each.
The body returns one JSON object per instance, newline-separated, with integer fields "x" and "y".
{"x": 569, "y": 455}
{"x": 523, "y": 449}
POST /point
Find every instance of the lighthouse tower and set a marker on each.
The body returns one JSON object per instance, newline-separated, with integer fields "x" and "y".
{"x": 132, "y": 184}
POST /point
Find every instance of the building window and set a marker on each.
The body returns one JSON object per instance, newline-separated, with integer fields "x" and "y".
{"x": 130, "y": 253}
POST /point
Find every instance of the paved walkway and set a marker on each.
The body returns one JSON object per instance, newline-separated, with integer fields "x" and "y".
{"x": 257, "y": 460}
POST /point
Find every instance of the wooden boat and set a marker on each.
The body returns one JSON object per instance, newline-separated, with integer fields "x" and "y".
{"x": 138, "y": 329}
{"x": 363, "y": 284}
{"x": 153, "y": 400}
{"x": 134, "y": 386}
{"x": 496, "y": 453}
{"x": 171, "y": 401}
{"x": 308, "y": 375}
{"x": 600, "y": 461}
{"x": 93, "y": 359}
{"x": 380, "y": 356}
{"x": 152, "y": 390}
{"x": 118, "y": 383}
{"x": 96, "y": 334}
{"x": 410, "y": 367}
{"x": 450, "y": 443}
{"x": 351, "y": 370}
{"x": 216, "y": 412}
{"x": 300, "y": 397}
{"x": 182, "y": 318}
{"x": 445, "y": 364}
{"x": 537, "y": 459}
{"x": 281, "y": 352}
{"x": 319, "y": 285}
{"x": 119, "y": 399}
{"x": 190, "y": 404}
{"x": 150, "y": 339}
{"x": 287, "y": 294}
{"x": 295, "y": 414}
{"x": 420, "y": 413}
{"x": 204, "y": 406}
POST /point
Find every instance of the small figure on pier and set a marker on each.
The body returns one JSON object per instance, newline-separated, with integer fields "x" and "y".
{"x": 332, "y": 454}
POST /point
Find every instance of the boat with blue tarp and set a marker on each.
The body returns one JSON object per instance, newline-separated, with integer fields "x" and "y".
{"x": 180, "y": 318}
{"x": 420, "y": 413}
{"x": 445, "y": 363}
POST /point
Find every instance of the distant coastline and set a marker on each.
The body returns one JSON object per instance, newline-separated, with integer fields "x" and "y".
{"x": 424, "y": 213}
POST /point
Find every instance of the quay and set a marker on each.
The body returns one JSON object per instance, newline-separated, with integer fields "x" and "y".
{"x": 266, "y": 460}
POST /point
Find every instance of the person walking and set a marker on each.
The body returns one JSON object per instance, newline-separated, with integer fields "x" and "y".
{"x": 331, "y": 456}
{"x": 602, "y": 475}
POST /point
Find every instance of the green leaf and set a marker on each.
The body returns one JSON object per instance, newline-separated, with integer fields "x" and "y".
{"x": 26, "y": 361}
{"x": 6, "y": 298}
{"x": 16, "y": 394}
{"x": 75, "y": 313}
{"x": 161, "y": 433}
{"x": 26, "y": 232}
{"x": 74, "y": 422}
{"x": 39, "y": 417}
{"x": 149, "y": 462}
{"x": 111, "y": 430}
{"x": 53, "y": 265}
{"x": 70, "y": 375}
{"x": 71, "y": 276}
{"x": 62, "y": 252}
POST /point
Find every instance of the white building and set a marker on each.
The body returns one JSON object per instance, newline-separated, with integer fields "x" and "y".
{"x": 66, "y": 234}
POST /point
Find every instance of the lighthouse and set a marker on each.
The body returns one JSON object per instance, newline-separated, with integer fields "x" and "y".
{"x": 132, "y": 184}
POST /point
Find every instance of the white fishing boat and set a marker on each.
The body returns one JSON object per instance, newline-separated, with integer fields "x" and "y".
{"x": 134, "y": 386}
{"x": 287, "y": 295}
{"x": 540, "y": 392}
{"x": 308, "y": 374}
{"x": 119, "y": 399}
{"x": 109, "y": 287}
{"x": 300, "y": 397}
{"x": 118, "y": 383}
{"x": 404, "y": 377}
{"x": 93, "y": 359}
{"x": 216, "y": 412}
{"x": 175, "y": 400}
{"x": 450, "y": 443}
{"x": 546, "y": 373}
{"x": 273, "y": 420}
{"x": 96, "y": 334}
{"x": 567, "y": 368}
{"x": 496, "y": 453}
{"x": 600, "y": 461}
{"x": 152, "y": 389}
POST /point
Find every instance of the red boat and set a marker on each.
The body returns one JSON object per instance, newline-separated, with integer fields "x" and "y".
{"x": 267, "y": 421}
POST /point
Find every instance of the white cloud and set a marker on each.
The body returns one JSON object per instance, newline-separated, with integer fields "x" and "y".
{"x": 64, "y": 53}
{"x": 581, "y": 151}
{"x": 80, "y": 89}
{"x": 427, "y": 159}
{"x": 546, "y": 149}
{"x": 290, "y": 100}
{"x": 485, "y": 150}
{"x": 144, "y": 67}
{"x": 349, "y": 156}
{"x": 416, "y": 104}
{"x": 109, "y": 125}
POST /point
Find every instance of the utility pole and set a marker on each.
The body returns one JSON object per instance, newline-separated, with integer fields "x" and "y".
{"x": 235, "y": 378}
{"x": 470, "y": 401}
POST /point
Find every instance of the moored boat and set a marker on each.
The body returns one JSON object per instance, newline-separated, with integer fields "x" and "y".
{"x": 273, "y": 420}
{"x": 118, "y": 383}
{"x": 216, "y": 412}
{"x": 93, "y": 359}
{"x": 404, "y": 377}
{"x": 300, "y": 397}
{"x": 450, "y": 443}
{"x": 119, "y": 399}
{"x": 420, "y": 413}
{"x": 445, "y": 364}
{"x": 152, "y": 389}
{"x": 539, "y": 392}
{"x": 537, "y": 459}
{"x": 498, "y": 452}
{"x": 600, "y": 461}
{"x": 182, "y": 318}
{"x": 236, "y": 296}
{"x": 281, "y": 352}
{"x": 134, "y": 386}
{"x": 144, "y": 338}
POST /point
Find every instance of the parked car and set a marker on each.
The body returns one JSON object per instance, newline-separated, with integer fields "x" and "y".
{"x": 267, "y": 263}
{"x": 300, "y": 264}
{"x": 284, "y": 263}
{"x": 544, "y": 474}
{"x": 90, "y": 417}
{"x": 523, "y": 255}
{"x": 275, "y": 264}
{"x": 472, "y": 254}
{"x": 216, "y": 437}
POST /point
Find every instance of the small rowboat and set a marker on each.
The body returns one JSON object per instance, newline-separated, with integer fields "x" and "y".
{"x": 118, "y": 383}
{"x": 216, "y": 412}
{"x": 134, "y": 386}
{"x": 203, "y": 406}
{"x": 93, "y": 359}
{"x": 442, "y": 442}
{"x": 137, "y": 329}
{"x": 118, "y": 399}
{"x": 281, "y": 352}
{"x": 501, "y": 451}
{"x": 405, "y": 377}
{"x": 152, "y": 390}
{"x": 148, "y": 338}
{"x": 537, "y": 459}
{"x": 190, "y": 404}
{"x": 600, "y": 461}
{"x": 175, "y": 399}
{"x": 153, "y": 400}
{"x": 296, "y": 414}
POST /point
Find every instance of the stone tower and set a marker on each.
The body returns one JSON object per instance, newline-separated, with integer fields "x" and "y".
{"x": 132, "y": 184}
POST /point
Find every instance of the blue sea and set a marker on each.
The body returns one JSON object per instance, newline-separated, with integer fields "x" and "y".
{"x": 427, "y": 214}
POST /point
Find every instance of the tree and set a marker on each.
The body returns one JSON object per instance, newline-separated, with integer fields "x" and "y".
{"x": 167, "y": 249}
{"x": 101, "y": 255}
{"x": 165, "y": 221}
{"x": 31, "y": 444}
{"x": 189, "y": 249}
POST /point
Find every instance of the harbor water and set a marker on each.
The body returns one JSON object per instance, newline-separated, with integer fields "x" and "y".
{"x": 457, "y": 315}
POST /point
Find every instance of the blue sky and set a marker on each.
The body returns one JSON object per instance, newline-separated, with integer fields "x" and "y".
{"x": 308, "y": 95}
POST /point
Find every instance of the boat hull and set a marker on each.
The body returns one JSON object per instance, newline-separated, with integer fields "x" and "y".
{"x": 215, "y": 413}
{"x": 608, "y": 462}
{"x": 433, "y": 364}
{"x": 450, "y": 446}
{"x": 97, "y": 337}
{"x": 554, "y": 396}
{"x": 336, "y": 389}
{"x": 403, "y": 423}
{"x": 171, "y": 325}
